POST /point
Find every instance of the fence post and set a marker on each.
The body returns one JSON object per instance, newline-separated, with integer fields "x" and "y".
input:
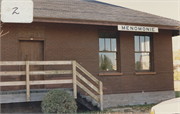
{"x": 27, "y": 82}
{"x": 101, "y": 95}
{"x": 74, "y": 79}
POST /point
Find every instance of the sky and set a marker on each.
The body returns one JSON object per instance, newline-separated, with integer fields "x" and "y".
{"x": 165, "y": 8}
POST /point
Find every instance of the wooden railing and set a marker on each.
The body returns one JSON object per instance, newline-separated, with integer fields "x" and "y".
{"x": 74, "y": 64}
{"x": 99, "y": 91}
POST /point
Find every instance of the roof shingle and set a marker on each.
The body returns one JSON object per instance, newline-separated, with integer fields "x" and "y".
{"x": 96, "y": 11}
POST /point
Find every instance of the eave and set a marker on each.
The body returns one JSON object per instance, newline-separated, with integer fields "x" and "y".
{"x": 102, "y": 23}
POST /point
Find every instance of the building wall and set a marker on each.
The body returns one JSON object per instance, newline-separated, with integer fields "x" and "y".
{"x": 163, "y": 80}
{"x": 9, "y": 52}
{"x": 81, "y": 43}
{"x": 163, "y": 61}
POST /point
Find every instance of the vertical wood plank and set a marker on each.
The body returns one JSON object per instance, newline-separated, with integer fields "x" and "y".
{"x": 101, "y": 95}
{"x": 27, "y": 81}
{"x": 74, "y": 79}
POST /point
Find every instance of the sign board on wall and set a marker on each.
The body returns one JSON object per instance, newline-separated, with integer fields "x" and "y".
{"x": 137, "y": 28}
{"x": 16, "y": 11}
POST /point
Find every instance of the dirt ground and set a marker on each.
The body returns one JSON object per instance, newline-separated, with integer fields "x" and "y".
{"x": 31, "y": 107}
{"x": 35, "y": 108}
{"x": 130, "y": 110}
{"x": 136, "y": 109}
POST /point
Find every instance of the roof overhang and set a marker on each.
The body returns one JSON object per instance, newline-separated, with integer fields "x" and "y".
{"x": 175, "y": 32}
{"x": 103, "y": 23}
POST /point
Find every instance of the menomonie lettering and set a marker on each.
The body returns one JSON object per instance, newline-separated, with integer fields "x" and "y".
{"x": 137, "y": 28}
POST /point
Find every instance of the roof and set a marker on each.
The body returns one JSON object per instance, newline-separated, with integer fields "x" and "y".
{"x": 96, "y": 11}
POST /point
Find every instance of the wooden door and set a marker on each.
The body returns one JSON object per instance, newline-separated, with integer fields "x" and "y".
{"x": 32, "y": 51}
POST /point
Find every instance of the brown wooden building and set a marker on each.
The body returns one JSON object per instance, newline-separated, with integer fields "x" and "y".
{"x": 135, "y": 67}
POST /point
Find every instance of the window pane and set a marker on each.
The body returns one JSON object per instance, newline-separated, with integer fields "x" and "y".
{"x": 107, "y": 61}
{"x": 147, "y": 41}
{"x": 136, "y": 43}
{"x": 142, "y": 61}
{"x": 137, "y": 61}
{"x": 101, "y": 44}
{"x": 107, "y": 44}
{"x": 142, "y": 43}
{"x": 113, "y": 44}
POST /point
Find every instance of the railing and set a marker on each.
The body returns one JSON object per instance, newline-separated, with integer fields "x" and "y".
{"x": 73, "y": 71}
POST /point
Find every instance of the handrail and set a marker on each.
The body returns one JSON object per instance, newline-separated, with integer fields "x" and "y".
{"x": 36, "y": 82}
{"x": 99, "y": 91}
{"x": 28, "y": 73}
{"x": 74, "y": 64}
{"x": 87, "y": 73}
{"x": 35, "y": 62}
{"x": 8, "y": 73}
{"x": 88, "y": 91}
{"x": 87, "y": 82}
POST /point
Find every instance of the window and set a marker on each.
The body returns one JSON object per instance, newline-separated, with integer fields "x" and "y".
{"x": 107, "y": 52}
{"x": 142, "y": 53}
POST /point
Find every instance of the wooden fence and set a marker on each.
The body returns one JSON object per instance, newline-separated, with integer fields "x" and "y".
{"x": 74, "y": 81}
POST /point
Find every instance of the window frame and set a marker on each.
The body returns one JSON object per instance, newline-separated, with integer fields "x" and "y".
{"x": 116, "y": 52}
{"x": 151, "y": 52}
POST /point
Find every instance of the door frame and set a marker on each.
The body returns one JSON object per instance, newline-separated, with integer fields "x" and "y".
{"x": 33, "y": 39}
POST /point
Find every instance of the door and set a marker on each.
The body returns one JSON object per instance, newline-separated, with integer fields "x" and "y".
{"x": 32, "y": 51}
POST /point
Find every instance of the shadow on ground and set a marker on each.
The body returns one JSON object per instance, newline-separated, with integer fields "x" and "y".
{"x": 25, "y": 107}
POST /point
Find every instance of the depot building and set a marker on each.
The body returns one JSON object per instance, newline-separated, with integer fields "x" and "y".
{"x": 128, "y": 50}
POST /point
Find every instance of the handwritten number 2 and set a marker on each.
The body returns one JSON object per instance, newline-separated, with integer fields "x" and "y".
{"x": 15, "y": 8}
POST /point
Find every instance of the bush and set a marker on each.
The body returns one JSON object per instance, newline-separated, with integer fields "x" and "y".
{"x": 58, "y": 101}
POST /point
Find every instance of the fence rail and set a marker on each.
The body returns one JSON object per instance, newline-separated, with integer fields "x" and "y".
{"x": 74, "y": 81}
{"x": 8, "y": 73}
{"x": 99, "y": 91}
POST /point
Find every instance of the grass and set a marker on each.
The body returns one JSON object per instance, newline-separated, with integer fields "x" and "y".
{"x": 177, "y": 93}
{"x": 141, "y": 108}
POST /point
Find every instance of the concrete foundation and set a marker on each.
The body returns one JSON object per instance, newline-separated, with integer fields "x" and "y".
{"x": 114, "y": 100}
{"x": 110, "y": 100}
